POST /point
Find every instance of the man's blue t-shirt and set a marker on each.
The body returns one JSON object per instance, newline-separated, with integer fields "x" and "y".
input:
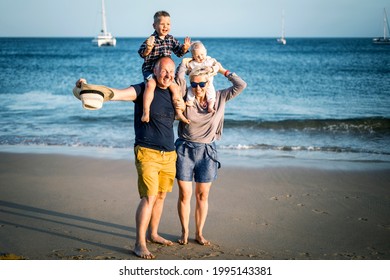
{"x": 158, "y": 132}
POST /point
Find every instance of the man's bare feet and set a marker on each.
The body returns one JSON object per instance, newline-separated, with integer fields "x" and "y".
{"x": 202, "y": 241}
{"x": 160, "y": 240}
{"x": 143, "y": 252}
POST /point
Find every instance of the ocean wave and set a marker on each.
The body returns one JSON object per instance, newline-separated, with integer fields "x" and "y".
{"x": 286, "y": 148}
{"x": 36, "y": 100}
{"x": 356, "y": 125}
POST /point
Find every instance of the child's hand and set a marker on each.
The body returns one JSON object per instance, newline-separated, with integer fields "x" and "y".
{"x": 187, "y": 43}
{"x": 150, "y": 41}
{"x": 221, "y": 69}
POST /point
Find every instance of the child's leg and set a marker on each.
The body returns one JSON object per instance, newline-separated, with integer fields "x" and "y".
{"x": 210, "y": 95}
{"x": 190, "y": 98}
{"x": 176, "y": 96}
{"x": 210, "y": 105}
{"x": 148, "y": 98}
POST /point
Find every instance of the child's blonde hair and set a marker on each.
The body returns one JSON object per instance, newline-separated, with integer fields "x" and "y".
{"x": 196, "y": 46}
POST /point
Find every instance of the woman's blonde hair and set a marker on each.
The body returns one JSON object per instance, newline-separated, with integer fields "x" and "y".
{"x": 199, "y": 71}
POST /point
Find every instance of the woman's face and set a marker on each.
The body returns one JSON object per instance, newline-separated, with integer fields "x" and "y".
{"x": 197, "y": 83}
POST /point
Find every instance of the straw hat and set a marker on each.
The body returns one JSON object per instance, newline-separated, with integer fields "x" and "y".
{"x": 93, "y": 96}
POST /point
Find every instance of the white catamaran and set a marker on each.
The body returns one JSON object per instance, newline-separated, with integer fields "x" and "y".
{"x": 282, "y": 40}
{"x": 104, "y": 38}
{"x": 385, "y": 40}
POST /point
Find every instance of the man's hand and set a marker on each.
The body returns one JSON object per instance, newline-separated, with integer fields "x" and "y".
{"x": 80, "y": 82}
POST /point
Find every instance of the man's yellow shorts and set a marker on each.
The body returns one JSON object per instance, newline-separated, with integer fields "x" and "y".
{"x": 156, "y": 170}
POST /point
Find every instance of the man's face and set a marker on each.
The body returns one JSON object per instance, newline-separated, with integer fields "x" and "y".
{"x": 165, "y": 73}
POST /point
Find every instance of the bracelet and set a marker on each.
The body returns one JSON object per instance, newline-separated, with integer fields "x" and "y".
{"x": 226, "y": 73}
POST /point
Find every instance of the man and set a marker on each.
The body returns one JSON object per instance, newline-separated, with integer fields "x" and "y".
{"x": 155, "y": 155}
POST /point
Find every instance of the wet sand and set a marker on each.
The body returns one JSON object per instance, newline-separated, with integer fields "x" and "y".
{"x": 67, "y": 207}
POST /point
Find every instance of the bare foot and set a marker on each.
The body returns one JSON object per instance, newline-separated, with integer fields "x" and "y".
{"x": 143, "y": 252}
{"x": 202, "y": 241}
{"x": 183, "y": 240}
{"x": 160, "y": 240}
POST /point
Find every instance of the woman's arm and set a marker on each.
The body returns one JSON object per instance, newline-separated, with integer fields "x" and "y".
{"x": 238, "y": 84}
{"x": 180, "y": 77}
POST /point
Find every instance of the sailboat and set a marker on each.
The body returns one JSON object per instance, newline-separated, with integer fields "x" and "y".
{"x": 104, "y": 38}
{"x": 385, "y": 40}
{"x": 282, "y": 40}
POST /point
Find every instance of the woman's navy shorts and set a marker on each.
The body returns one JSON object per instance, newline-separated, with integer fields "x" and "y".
{"x": 197, "y": 161}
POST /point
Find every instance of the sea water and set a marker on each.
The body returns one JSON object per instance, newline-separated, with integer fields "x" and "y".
{"x": 316, "y": 100}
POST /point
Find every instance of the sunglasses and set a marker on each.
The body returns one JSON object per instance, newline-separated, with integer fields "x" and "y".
{"x": 201, "y": 84}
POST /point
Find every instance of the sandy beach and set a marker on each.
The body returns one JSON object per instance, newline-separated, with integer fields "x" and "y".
{"x": 55, "y": 207}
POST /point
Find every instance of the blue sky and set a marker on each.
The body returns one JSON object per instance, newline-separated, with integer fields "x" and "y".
{"x": 200, "y": 18}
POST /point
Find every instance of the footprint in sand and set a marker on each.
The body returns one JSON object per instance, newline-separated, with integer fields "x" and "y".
{"x": 319, "y": 211}
{"x": 277, "y": 198}
{"x": 384, "y": 226}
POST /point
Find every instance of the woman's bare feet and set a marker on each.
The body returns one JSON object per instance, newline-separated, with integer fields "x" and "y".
{"x": 202, "y": 241}
{"x": 143, "y": 252}
{"x": 183, "y": 240}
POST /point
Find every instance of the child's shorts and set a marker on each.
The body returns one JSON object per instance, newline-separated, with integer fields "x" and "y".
{"x": 148, "y": 76}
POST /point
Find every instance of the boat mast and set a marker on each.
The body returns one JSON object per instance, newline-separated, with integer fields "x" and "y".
{"x": 385, "y": 24}
{"x": 104, "y": 25}
{"x": 283, "y": 24}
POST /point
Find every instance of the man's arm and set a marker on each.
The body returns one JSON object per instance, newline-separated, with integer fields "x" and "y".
{"x": 126, "y": 94}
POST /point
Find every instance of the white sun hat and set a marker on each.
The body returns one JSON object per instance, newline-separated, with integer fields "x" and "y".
{"x": 93, "y": 96}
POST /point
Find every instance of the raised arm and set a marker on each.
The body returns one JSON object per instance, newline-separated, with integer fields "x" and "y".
{"x": 180, "y": 77}
{"x": 147, "y": 47}
{"x": 126, "y": 94}
{"x": 238, "y": 84}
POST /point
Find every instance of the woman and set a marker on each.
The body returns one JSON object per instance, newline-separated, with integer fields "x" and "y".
{"x": 195, "y": 147}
